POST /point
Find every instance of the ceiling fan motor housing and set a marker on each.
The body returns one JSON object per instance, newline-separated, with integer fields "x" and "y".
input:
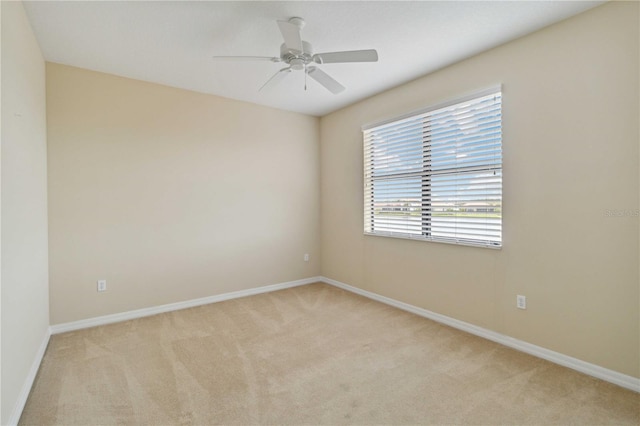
{"x": 297, "y": 59}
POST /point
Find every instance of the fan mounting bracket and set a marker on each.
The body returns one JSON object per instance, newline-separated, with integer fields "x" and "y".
{"x": 299, "y": 22}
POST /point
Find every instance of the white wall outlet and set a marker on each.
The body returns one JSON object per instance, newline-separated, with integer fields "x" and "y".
{"x": 521, "y": 302}
{"x": 102, "y": 285}
{"x": 306, "y": 257}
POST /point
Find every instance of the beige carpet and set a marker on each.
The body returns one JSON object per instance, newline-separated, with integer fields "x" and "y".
{"x": 307, "y": 355}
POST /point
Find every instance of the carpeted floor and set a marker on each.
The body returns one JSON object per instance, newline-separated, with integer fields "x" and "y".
{"x": 307, "y": 355}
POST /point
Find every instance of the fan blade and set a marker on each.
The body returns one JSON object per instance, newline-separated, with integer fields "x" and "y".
{"x": 347, "y": 56}
{"x": 276, "y": 78}
{"x": 325, "y": 79}
{"x": 291, "y": 35}
{"x": 246, "y": 58}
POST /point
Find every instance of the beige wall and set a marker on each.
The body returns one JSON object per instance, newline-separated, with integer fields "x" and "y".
{"x": 25, "y": 296}
{"x": 172, "y": 195}
{"x": 571, "y": 136}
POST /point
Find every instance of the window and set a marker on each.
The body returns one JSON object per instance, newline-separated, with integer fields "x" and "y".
{"x": 436, "y": 175}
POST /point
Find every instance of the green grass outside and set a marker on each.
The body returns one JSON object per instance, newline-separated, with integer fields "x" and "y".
{"x": 496, "y": 215}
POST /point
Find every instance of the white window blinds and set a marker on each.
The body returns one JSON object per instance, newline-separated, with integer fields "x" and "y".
{"x": 436, "y": 175}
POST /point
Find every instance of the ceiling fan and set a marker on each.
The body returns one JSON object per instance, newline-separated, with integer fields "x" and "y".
{"x": 298, "y": 55}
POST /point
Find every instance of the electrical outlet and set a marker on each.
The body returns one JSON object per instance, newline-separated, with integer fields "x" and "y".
{"x": 102, "y": 285}
{"x": 306, "y": 257}
{"x": 521, "y": 302}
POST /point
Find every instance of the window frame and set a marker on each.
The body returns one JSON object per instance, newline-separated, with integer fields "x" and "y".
{"x": 427, "y": 174}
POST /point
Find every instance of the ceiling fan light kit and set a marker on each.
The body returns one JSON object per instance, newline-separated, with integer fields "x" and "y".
{"x": 298, "y": 55}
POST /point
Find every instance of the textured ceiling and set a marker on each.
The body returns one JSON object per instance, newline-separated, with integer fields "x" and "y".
{"x": 172, "y": 43}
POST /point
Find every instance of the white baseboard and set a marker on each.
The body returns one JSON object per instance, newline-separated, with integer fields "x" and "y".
{"x": 145, "y": 312}
{"x": 28, "y": 383}
{"x": 623, "y": 380}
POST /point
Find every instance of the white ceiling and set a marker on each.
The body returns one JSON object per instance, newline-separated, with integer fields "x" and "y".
{"x": 172, "y": 43}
